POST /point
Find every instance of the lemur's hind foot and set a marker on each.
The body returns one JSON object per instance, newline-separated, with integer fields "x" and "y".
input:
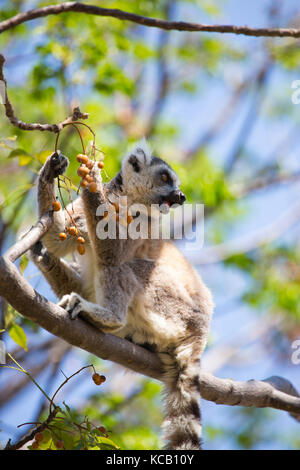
{"x": 98, "y": 316}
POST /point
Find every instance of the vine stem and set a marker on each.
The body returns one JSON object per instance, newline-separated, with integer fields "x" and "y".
{"x": 21, "y": 369}
{"x": 67, "y": 380}
{"x": 79, "y": 133}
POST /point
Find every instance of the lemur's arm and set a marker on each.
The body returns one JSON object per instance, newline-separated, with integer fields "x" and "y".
{"x": 112, "y": 294}
{"x": 63, "y": 279}
{"x": 55, "y": 165}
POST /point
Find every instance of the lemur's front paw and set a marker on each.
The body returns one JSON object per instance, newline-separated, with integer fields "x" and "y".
{"x": 55, "y": 165}
{"x": 58, "y": 164}
{"x": 73, "y": 304}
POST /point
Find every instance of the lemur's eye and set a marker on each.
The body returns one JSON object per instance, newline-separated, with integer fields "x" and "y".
{"x": 164, "y": 177}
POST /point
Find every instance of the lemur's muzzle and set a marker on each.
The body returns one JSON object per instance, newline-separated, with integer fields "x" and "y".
{"x": 176, "y": 197}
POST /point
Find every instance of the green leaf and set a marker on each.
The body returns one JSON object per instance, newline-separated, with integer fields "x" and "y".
{"x": 24, "y": 160}
{"x": 23, "y": 263}
{"x": 19, "y": 152}
{"x": 106, "y": 441}
{"x": 18, "y": 335}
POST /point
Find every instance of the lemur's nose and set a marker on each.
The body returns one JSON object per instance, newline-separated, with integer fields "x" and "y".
{"x": 182, "y": 197}
{"x": 177, "y": 197}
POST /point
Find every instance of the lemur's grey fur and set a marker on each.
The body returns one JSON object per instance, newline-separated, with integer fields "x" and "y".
{"x": 141, "y": 290}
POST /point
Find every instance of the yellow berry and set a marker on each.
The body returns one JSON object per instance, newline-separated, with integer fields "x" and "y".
{"x": 72, "y": 230}
{"x": 83, "y": 171}
{"x": 90, "y": 164}
{"x": 89, "y": 179}
{"x": 59, "y": 444}
{"x": 81, "y": 249}
{"x": 56, "y": 206}
{"x": 62, "y": 236}
{"x": 97, "y": 379}
{"x": 84, "y": 183}
{"x": 81, "y": 158}
{"x": 92, "y": 187}
{"x": 39, "y": 437}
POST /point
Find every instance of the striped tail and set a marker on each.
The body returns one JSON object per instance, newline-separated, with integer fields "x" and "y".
{"x": 182, "y": 423}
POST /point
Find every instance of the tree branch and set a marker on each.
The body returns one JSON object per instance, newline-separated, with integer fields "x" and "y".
{"x": 226, "y": 112}
{"x": 250, "y": 119}
{"x": 274, "y": 392}
{"x": 272, "y": 231}
{"x": 77, "y": 7}
{"x": 29, "y": 437}
{"x": 264, "y": 182}
{"x": 16, "y": 290}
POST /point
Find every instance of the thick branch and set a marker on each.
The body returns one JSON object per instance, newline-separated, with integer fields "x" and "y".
{"x": 32, "y": 236}
{"x": 16, "y": 290}
{"x": 275, "y": 392}
{"x": 144, "y": 21}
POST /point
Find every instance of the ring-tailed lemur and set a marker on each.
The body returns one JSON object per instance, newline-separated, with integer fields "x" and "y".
{"x": 143, "y": 290}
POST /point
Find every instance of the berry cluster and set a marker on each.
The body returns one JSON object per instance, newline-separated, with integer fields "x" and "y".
{"x": 86, "y": 181}
{"x": 84, "y": 172}
{"x": 38, "y": 439}
{"x": 98, "y": 379}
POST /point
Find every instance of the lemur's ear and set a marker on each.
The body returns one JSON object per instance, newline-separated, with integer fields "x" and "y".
{"x": 139, "y": 156}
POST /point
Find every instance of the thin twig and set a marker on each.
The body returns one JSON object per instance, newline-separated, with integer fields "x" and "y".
{"x": 77, "y": 7}
{"x": 29, "y": 437}
{"x": 10, "y": 114}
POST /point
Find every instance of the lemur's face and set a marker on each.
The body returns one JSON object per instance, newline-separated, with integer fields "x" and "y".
{"x": 149, "y": 180}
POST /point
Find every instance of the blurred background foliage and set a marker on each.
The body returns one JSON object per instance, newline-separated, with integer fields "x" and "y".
{"x": 219, "y": 109}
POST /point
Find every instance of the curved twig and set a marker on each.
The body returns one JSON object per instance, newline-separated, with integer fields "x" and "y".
{"x": 77, "y": 7}
{"x": 10, "y": 114}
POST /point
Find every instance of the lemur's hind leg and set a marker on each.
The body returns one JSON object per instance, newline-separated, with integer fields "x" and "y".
{"x": 113, "y": 297}
{"x": 61, "y": 277}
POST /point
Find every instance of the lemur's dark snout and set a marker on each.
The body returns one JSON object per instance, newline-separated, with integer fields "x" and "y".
{"x": 176, "y": 197}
